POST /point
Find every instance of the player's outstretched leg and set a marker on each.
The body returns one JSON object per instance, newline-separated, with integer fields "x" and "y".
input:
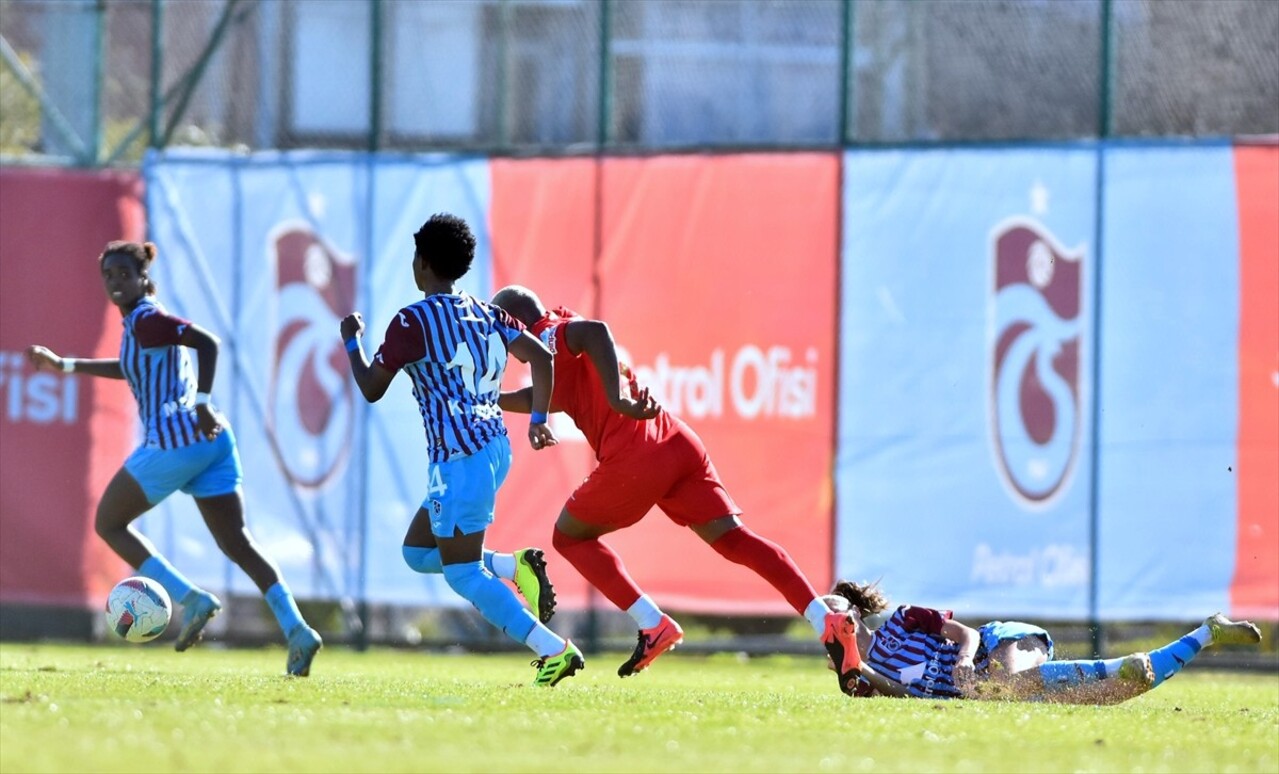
{"x": 533, "y": 582}
{"x": 603, "y": 569}
{"x": 552, "y": 669}
{"x": 526, "y": 567}
{"x": 557, "y": 658}
{"x": 1216, "y": 630}
{"x": 653, "y": 642}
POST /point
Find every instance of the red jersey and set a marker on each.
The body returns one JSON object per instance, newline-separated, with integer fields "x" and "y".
{"x": 579, "y": 392}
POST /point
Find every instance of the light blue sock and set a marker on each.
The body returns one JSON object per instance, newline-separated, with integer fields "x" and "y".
{"x": 428, "y": 562}
{"x": 281, "y": 602}
{"x": 495, "y": 601}
{"x": 1169, "y": 659}
{"x": 1059, "y": 675}
{"x": 158, "y": 569}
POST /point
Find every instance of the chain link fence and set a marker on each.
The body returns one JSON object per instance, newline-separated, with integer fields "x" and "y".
{"x": 97, "y": 81}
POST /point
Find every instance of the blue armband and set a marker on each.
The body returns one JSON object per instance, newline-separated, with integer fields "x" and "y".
{"x": 537, "y": 418}
{"x": 352, "y": 344}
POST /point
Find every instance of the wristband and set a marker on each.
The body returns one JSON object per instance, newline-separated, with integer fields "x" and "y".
{"x": 537, "y": 418}
{"x": 353, "y": 344}
{"x": 68, "y": 365}
{"x": 202, "y": 399}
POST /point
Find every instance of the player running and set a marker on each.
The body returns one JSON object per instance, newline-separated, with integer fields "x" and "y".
{"x": 924, "y": 653}
{"x": 647, "y": 456}
{"x": 188, "y": 446}
{"x": 453, "y": 348}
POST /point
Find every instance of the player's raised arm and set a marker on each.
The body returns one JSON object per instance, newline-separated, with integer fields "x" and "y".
{"x": 371, "y": 378}
{"x": 541, "y": 363}
{"x": 45, "y": 359}
{"x": 595, "y": 339}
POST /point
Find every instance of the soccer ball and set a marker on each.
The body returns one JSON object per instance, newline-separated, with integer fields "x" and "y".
{"x": 138, "y": 609}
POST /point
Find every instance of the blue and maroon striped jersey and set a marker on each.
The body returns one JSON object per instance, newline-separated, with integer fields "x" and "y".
{"x": 910, "y": 649}
{"x": 159, "y": 372}
{"x": 453, "y": 347}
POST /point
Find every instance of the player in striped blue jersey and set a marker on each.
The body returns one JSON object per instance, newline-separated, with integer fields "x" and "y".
{"x": 924, "y": 653}
{"x": 453, "y": 348}
{"x": 186, "y": 446}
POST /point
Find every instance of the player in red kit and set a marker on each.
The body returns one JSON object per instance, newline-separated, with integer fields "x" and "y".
{"x": 648, "y": 456}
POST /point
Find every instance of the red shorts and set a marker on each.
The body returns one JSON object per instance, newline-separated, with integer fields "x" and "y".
{"x": 673, "y": 473}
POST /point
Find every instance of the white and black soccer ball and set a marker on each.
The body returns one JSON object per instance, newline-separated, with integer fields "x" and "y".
{"x": 138, "y": 609}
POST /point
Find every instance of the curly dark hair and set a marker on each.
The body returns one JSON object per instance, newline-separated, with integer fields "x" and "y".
{"x": 447, "y": 245}
{"x": 142, "y": 253}
{"x": 866, "y": 597}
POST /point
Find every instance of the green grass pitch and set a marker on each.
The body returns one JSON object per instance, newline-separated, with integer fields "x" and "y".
{"x": 148, "y": 709}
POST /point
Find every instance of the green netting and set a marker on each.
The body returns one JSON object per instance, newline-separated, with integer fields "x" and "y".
{"x": 537, "y": 76}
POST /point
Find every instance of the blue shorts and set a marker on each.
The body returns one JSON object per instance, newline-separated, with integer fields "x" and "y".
{"x": 461, "y": 492}
{"x": 202, "y": 469}
{"x": 996, "y": 633}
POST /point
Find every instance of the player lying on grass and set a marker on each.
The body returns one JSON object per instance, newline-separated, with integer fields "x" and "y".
{"x": 453, "y": 348}
{"x": 924, "y": 653}
{"x": 186, "y": 446}
{"x": 647, "y": 456}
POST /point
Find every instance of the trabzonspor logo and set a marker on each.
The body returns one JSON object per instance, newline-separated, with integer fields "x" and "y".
{"x": 311, "y": 409}
{"x": 1036, "y": 360}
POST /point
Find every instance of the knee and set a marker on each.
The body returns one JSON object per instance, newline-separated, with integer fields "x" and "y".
{"x": 105, "y": 523}
{"x": 560, "y": 541}
{"x": 466, "y": 578}
{"x": 423, "y": 560}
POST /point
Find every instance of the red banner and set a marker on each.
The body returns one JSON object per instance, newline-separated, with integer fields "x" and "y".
{"x": 62, "y": 437}
{"x": 718, "y": 277}
{"x": 542, "y": 227}
{"x": 1254, "y": 592}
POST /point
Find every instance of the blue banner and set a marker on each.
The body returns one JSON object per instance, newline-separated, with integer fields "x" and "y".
{"x": 965, "y": 364}
{"x": 1169, "y": 386}
{"x": 269, "y": 252}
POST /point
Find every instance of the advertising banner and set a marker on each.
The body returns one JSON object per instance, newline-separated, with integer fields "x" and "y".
{"x": 270, "y": 252}
{"x": 1169, "y": 382}
{"x": 965, "y": 366}
{"x": 1254, "y": 592}
{"x": 62, "y": 436}
{"x": 718, "y": 279}
{"x": 544, "y": 237}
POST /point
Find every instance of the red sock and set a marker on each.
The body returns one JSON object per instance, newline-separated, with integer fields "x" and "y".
{"x": 600, "y": 566}
{"x": 770, "y": 562}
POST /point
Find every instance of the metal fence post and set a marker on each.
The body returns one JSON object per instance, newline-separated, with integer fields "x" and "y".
{"x": 1095, "y": 627}
{"x": 376, "y": 10}
{"x": 1107, "y": 66}
{"x": 95, "y": 110}
{"x": 845, "y": 65}
{"x": 157, "y": 72}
